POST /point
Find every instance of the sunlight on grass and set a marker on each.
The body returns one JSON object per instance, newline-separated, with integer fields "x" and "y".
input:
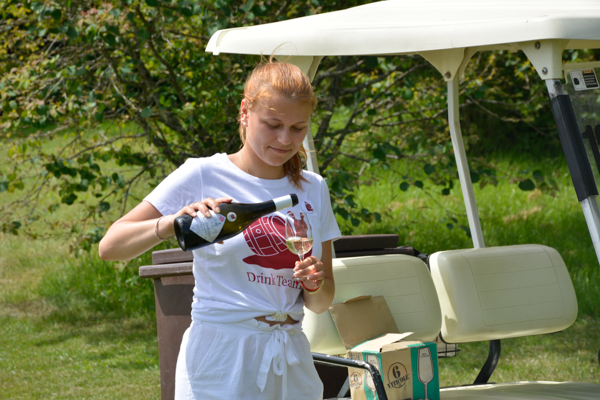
{"x": 23, "y": 264}
{"x": 40, "y": 359}
{"x": 80, "y": 345}
{"x": 570, "y": 355}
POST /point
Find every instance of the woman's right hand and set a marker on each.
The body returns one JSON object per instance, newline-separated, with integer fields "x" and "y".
{"x": 144, "y": 227}
{"x": 203, "y": 206}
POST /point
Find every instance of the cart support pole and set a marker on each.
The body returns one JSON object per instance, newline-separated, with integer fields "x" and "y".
{"x": 462, "y": 164}
{"x": 308, "y": 65}
{"x": 576, "y": 156}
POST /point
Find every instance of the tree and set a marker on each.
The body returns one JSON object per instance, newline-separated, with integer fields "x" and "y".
{"x": 128, "y": 83}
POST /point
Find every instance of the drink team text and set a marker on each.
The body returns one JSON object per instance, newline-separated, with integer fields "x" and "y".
{"x": 274, "y": 280}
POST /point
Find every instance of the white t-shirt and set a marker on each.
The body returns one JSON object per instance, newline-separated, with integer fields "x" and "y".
{"x": 250, "y": 274}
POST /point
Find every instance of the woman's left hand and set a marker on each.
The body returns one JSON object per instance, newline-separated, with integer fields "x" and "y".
{"x": 310, "y": 271}
{"x": 317, "y": 275}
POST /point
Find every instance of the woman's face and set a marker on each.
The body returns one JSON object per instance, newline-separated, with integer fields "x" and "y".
{"x": 275, "y": 128}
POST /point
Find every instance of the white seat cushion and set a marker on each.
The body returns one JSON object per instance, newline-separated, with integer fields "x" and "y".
{"x": 403, "y": 280}
{"x": 502, "y": 292}
{"x": 524, "y": 391}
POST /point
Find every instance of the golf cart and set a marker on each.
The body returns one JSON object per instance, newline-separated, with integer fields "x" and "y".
{"x": 478, "y": 294}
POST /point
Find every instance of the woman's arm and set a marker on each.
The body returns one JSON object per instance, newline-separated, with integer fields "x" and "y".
{"x": 317, "y": 271}
{"x": 133, "y": 234}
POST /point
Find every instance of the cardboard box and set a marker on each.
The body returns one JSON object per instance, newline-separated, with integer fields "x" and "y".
{"x": 409, "y": 369}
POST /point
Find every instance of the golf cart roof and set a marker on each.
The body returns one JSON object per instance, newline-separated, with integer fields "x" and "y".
{"x": 409, "y": 26}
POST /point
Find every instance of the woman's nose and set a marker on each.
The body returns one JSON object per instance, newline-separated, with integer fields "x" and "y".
{"x": 285, "y": 136}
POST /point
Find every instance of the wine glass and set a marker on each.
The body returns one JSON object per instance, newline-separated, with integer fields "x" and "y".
{"x": 374, "y": 361}
{"x": 298, "y": 235}
{"x": 425, "y": 371}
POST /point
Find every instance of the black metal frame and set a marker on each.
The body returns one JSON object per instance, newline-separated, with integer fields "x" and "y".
{"x": 347, "y": 362}
{"x": 571, "y": 141}
{"x": 490, "y": 364}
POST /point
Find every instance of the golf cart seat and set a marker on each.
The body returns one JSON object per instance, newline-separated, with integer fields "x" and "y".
{"x": 524, "y": 391}
{"x": 495, "y": 293}
{"x": 404, "y": 281}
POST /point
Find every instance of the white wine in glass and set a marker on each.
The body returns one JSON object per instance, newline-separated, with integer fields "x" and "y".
{"x": 298, "y": 234}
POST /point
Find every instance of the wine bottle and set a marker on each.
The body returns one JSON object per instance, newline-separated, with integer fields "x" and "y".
{"x": 195, "y": 232}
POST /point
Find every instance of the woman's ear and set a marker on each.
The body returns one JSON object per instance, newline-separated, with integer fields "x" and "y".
{"x": 244, "y": 113}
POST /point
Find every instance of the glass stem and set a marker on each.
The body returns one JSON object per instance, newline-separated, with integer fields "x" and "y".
{"x": 301, "y": 257}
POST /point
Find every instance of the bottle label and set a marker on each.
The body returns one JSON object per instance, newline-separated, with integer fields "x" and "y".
{"x": 231, "y": 217}
{"x": 208, "y": 228}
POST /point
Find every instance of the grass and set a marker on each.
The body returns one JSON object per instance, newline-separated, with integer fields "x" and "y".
{"x": 74, "y": 328}
{"x": 84, "y": 328}
{"x": 45, "y": 359}
{"x": 508, "y": 216}
{"x": 570, "y": 355}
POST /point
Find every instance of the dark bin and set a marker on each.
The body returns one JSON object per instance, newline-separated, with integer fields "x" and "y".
{"x": 173, "y": 291}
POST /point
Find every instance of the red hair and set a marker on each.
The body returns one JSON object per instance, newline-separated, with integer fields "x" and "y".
{"x": 288, "y": 80}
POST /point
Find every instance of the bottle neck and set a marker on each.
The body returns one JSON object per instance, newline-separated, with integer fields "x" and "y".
{"x": 284, "y": 202}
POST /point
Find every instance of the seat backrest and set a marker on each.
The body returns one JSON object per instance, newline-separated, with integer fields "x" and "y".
{"x": 403, "y": 280}
{"x": 502, "y": 292}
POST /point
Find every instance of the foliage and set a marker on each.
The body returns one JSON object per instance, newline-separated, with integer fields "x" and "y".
{"x": 69, "y": 67}
{"x": 73, "y": 69}
{"x": 395, "y": 108}
{"x": 98, "y": 97}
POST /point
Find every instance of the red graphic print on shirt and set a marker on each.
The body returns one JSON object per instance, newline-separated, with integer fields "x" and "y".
{"x": 266, "y": 238}
{"x": 308, "y": 206}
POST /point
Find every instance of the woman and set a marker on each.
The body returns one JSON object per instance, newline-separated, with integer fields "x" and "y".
{"x": 245, "y": 340}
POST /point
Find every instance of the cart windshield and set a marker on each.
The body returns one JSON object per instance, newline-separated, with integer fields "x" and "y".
{"x": 583, "y": 87}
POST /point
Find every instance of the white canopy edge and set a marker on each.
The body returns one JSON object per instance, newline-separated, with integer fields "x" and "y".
{"x": 408, "y": 27}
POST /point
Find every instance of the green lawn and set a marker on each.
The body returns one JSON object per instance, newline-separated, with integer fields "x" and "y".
{"x": 570, "y": 355}
{"x": 51, "y": 348}
{"x": 44, "y": 359}
{"x": 82, "y": 328}
{"x": 84, "y": 349}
